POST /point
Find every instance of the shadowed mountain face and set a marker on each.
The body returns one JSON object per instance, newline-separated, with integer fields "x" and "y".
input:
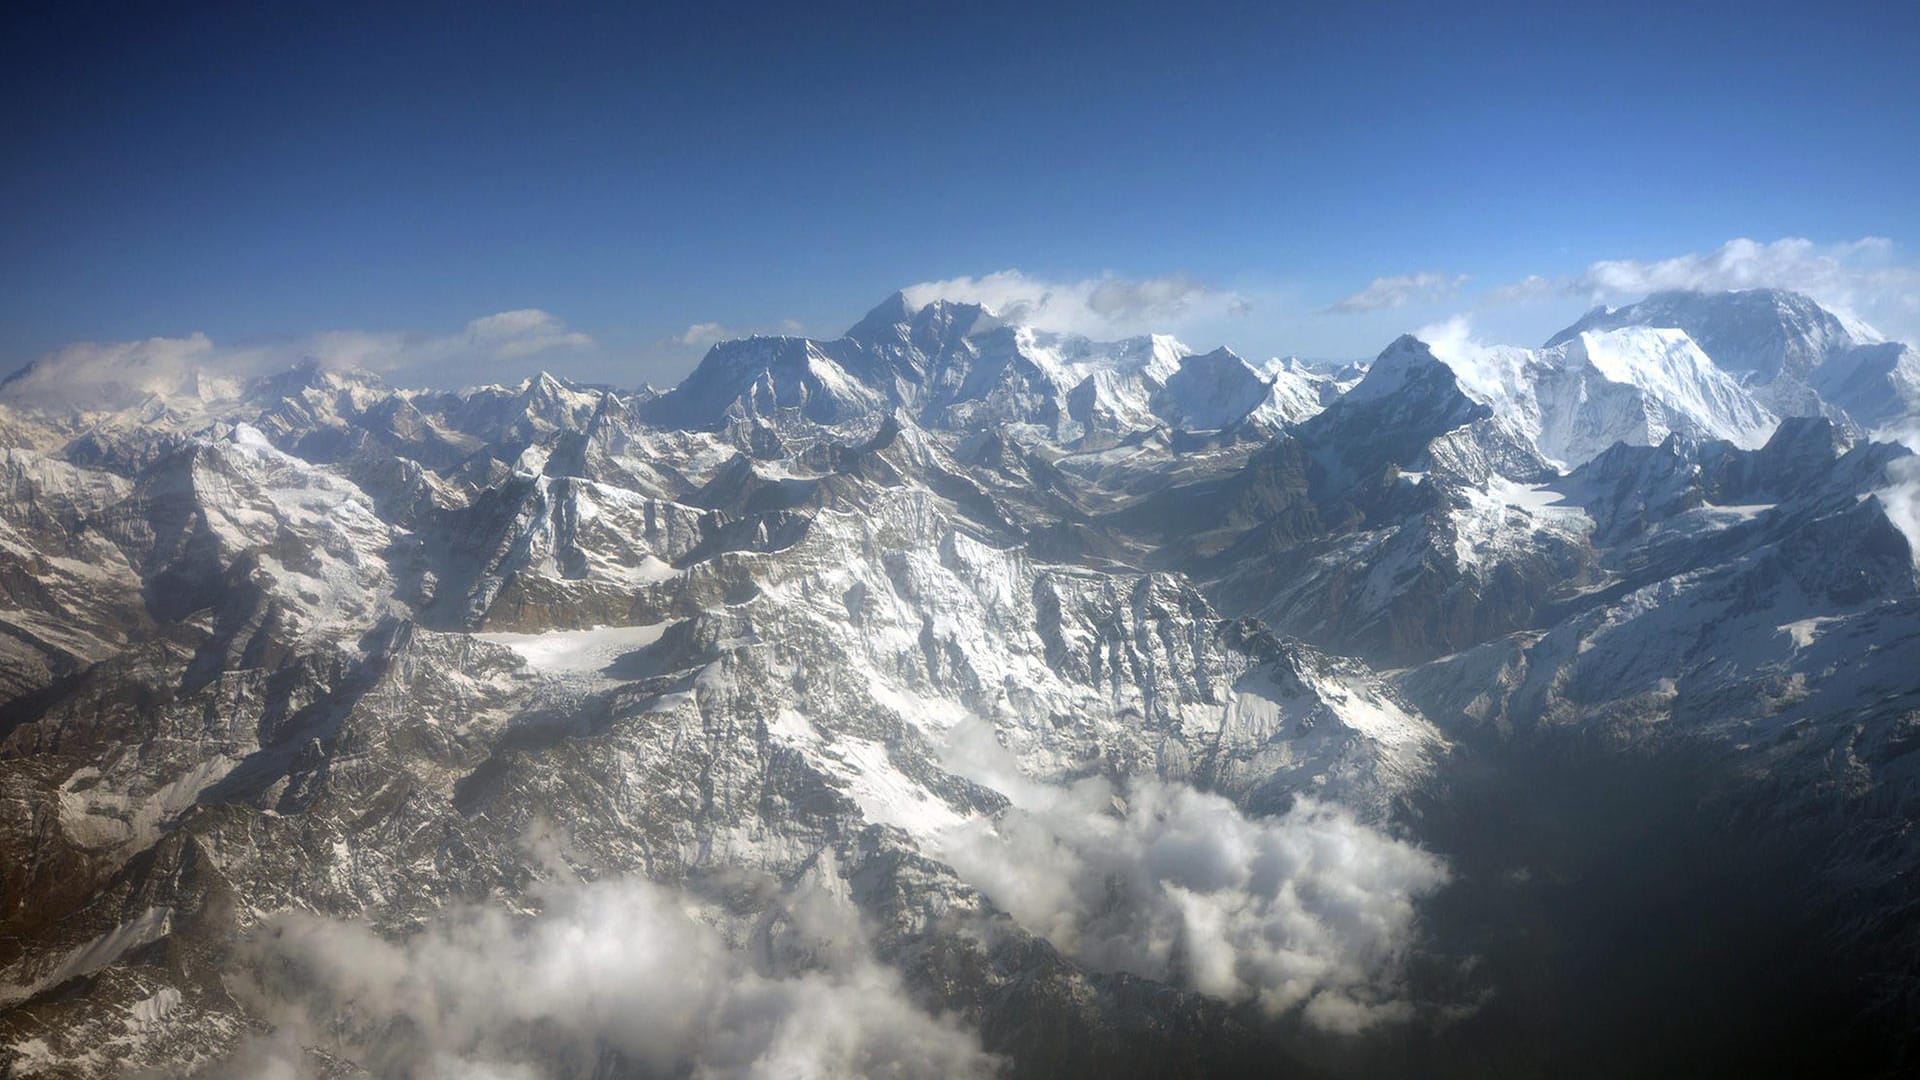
{"x": 961, "y": 698}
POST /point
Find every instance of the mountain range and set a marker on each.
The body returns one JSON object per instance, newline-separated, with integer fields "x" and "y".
{"x": 959, "y": 697}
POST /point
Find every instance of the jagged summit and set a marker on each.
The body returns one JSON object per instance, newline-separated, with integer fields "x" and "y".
{"x": 957, "y": 365}
{"x": 1620, "y": 374}
{"x": 897, "y": 320}
{"x": 894, "y": 311}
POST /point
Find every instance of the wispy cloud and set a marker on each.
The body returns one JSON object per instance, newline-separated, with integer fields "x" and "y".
{"x": 1098, "y": 307}
{"x": 1399, "y": 291}
{"x": 702, "y": 334}
{"x": 510, "y": 335}
{"x": 1525, "y": 291}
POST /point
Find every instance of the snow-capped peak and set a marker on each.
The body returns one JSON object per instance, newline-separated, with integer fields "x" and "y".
{"x": 1407, "y": 359}
{"x": 1757, "y": 333}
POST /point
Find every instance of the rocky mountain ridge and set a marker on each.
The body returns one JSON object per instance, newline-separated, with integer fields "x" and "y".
{"x": 1035, "y": 703}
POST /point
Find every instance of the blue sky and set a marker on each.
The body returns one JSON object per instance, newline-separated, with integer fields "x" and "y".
{"x": 629, "y": 183}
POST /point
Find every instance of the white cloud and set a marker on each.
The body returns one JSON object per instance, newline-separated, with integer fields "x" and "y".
{"x": 1901, "y": 496}
{"x": 119, "y": 374}
{"x": 1399, "y": 291}
{"x": 510, "y": 335}
{"x": 1452, "y": 340}
{"x": 1097, "y": 307}
{"x": 617, "y": 964}
{"x": 1312, "y": 910}
{"x": 1833, "y": 271}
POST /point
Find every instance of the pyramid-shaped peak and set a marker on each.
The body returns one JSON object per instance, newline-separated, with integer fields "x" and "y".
{"x": 1397, "y": 365}
{"x": 892, "y": 312}
{"x": 1218, "y": 357}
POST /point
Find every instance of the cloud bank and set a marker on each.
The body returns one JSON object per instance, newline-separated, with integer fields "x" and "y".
{"x": 1103, "y": 307}
{"x": 1311, "y": 910}
{"x": 121, "y": 374}
{"x": 608, "y": 972}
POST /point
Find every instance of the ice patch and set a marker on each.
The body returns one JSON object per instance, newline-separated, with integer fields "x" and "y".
{"x": 578, "y": 652}
{"x": 1805, "y": 631}
{"x": 1505, "y": 515}
{"x": 152, "y": 1010}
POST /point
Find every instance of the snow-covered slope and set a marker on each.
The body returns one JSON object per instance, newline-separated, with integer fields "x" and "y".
{"x": 1301, "y": 390}
{"x": 1634, "y": 385}
{"x": 1214, "y": 391}
{"x": 1877, "y": 385}
{"x": 743, "y": 380}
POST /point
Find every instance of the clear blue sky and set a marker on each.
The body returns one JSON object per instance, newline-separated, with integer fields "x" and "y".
{"x": 271, "y": 174}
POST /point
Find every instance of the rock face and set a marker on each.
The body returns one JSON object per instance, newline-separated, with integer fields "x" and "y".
{"x": 958, "y": 698}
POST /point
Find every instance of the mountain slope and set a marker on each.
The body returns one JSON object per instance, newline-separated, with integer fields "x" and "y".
{"x": 962, "y": 698}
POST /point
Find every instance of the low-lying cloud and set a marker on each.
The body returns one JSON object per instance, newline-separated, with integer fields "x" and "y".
{"x": 1311, "y": 910}
{"x": 1097, "y": 307}
{"x": 615, "y": 967}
